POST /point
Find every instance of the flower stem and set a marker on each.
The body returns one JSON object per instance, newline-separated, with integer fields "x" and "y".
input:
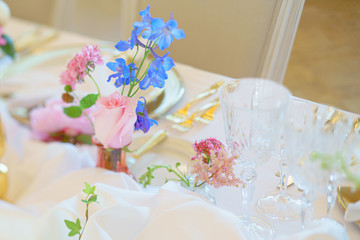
{"x": 86, "y": 217}
{"x": 97, "y": 86}
{"x": 147, "y": 51}
{"x": 132, "y": 61}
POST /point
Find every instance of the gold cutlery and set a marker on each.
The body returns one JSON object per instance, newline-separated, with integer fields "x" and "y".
{"x": 183, "y": 113}
{"x": 3, "y": 167}
{"x": 157, "y": 138}
{"x": 187, "y": 124}
{"x": 208, "y": 116}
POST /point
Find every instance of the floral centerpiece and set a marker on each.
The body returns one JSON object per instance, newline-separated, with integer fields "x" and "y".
{"x": 115, "y": 117}
{"x": 213, "y": 165}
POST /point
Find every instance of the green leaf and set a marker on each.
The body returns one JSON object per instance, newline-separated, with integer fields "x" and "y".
{"x": 74, "y": 227}
{"x": 87, "y": 188}
{"x": 68, "y": 88}
{"x": 8, "y": 48}
{"x": 93, "y": 198}
{"x": 88, "y": 100}
{"x": 85, "y": 201}
{"x": 73, "y": 111}
{"x": 126, "y": 149}
{"x": 84, "y": 139}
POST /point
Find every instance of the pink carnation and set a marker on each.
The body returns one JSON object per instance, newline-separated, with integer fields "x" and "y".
{"x": 2, "y": 40}
{"x": 77, "y": 66}
{"x": 213, "y": 164}
{"x": 51, "y": 119}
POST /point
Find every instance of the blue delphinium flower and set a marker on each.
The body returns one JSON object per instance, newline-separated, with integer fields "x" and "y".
{"x": 156, "y": 75}
{"x": 165, "y": 33}
{"x": 145, "y": 21}
{"x": 122, "y": 72}
{"x": 122, "y": 45}
{"x": 167, "y": 62}
{"x": 143, "y": 122}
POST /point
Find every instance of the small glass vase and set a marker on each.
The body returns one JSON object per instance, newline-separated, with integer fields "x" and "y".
{"x": 205, "y": 190}
{"x": 111, "y": 159}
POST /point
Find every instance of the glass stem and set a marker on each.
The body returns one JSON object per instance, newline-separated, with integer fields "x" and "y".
{"x": 249, "y": 176}
{"x": 283, "y": 174}
{"x": 307, "y": 208}
{"x": 331, "y": 195}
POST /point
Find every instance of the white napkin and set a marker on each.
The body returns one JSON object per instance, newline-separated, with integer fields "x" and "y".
{"x": 322, "y": 229}
{"x": 46, "y": 182}
{"x": 352, "y": 213}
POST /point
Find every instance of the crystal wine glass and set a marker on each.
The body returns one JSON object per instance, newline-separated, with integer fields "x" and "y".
{"x": 346, "y": 130}
{"x": 280, "y": 205}
{"x": 253, "y": 112}
{"x": 313, "y": 140}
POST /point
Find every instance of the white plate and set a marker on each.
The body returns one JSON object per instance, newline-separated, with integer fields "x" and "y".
{"x": 169, "y": 152}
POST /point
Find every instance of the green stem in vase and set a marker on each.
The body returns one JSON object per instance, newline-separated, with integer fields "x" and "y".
{"x": 147, "y": 51}
{"x": 97, "y": 86}
{"x": 145, "y": 179}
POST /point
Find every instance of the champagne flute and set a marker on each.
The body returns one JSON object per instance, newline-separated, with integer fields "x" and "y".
{"x": 253, "y": 112}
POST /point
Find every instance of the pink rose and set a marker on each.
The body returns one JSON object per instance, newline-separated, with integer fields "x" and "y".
{"x": 114, "y": 120}
{"x": 52, "y": 119}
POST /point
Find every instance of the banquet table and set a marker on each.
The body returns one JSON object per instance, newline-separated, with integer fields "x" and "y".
{"x": 46, "y": 181}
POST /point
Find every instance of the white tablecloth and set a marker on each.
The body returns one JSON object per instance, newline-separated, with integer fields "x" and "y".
{"x": 46, "y": 179}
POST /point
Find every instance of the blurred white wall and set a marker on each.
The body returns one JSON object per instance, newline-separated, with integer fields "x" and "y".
{"x": 229, "y": 37}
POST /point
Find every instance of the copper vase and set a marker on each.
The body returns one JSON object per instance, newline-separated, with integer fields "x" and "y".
{"x": 111, "y": 159}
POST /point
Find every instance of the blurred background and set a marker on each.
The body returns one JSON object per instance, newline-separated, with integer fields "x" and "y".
{"x": 324, "y": 64}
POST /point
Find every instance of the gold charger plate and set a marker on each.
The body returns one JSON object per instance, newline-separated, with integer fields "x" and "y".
{"x": 54, "y": 60}
{"x": 347, "y": 195}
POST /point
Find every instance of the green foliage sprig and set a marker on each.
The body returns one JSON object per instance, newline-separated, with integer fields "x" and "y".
{"x": 146, "y": 178}
{"x": 75, "y": 227}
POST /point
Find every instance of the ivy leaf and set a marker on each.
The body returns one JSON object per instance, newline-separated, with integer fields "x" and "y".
{"x": 74, "y": 227}
{"x": 93, "y": 198}
{"x": 73, "y": 111}
{"x": 84, "y": 138}
{"x": 88, "y": 189}
{"x": 8, "y": 48}
{"x": 88, "y": 100}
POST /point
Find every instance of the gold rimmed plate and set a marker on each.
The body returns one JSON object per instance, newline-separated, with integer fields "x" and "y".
{"x": 348, "y": 195}
{"x": 35, "y": 78}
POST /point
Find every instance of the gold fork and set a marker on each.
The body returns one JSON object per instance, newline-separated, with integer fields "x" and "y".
{"x": 208, "y": 116}
{"x": 183, "y": 113}
{"x": 188, "y": 122}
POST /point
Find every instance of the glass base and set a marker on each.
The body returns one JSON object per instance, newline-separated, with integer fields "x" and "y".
{"x": 326, "y": 228}
{"x": 280, "y": 207}
{"x": 257, "y": 228}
